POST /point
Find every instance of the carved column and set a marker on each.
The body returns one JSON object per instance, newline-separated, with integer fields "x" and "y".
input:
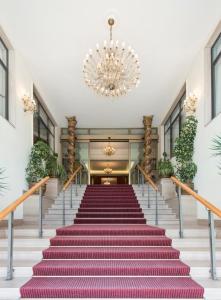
{"x": 147, "y": 122}
{"x": 71, "y": 144}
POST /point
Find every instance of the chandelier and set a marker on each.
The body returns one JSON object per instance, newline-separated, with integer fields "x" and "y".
{"x": 111, "y": 69}
{"x": 108, "y": 170}
{"x": 109, "y": 150}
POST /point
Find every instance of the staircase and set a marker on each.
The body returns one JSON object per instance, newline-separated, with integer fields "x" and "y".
{"x": 53, "y": 216}
{"x": 111, "y": 253}
{"x": 165, "y": 214}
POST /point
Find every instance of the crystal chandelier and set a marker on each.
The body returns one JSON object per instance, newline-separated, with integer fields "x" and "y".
{"x": 109, "y": 150}
{"x": 108, "y": 170}
{"x": 112, "y": 69}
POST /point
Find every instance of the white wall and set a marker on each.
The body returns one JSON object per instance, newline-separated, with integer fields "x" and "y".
{"x": 207, "y": 180}
{"x": 16, "y": 135}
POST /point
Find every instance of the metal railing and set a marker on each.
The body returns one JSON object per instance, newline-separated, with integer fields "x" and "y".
{"x": 142, "y": 179}
{"x": 9, "y": 212}
{"x": 73, "y": 182}
{"x": 211, "y": 209}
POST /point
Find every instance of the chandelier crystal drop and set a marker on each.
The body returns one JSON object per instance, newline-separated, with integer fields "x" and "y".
{"x": 109, "y": 150}
{"x": 111, "y": 69}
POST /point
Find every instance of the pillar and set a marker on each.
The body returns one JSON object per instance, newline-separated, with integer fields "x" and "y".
{"x": 147, "y": 122}
{"x": 71, "y": 144}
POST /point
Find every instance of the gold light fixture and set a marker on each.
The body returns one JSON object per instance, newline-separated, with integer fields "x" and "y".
{"x": 109, "y": 150}
{"x": 108, "y": 170}
{"x": 111, "y": 69}
{"x": 29, "y": 104}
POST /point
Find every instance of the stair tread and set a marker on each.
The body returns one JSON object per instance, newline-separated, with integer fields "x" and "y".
{"x": 89, "y": 287}
{"x": 111, "y": 240}
{"x": 110, "y": 230}
{"x": 111, "y": 267}
{"x": 111, "y": 252}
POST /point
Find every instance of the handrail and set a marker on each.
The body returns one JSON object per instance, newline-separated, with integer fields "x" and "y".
{"x": 10, "y": 208}
{"x": 148, "y": 178}
{"x": 203, "y": 201}
{"x": 66, "y": 185}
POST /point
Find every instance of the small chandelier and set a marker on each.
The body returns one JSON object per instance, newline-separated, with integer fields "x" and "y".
{"x": 29, "y": 104}
{"x": 109, "y": 150}
{"x": 112, "y": 69}
{"x": 108, "y": 170}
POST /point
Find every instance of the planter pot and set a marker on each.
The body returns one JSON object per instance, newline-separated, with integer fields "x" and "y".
{"x": 53, "y": 188}
{"x": 190, "y": 185}
{"x": 167, "y": 188}
{"x": 37, "y": 192}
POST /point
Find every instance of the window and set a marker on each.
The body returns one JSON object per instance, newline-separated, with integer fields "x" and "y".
{"x": 44, "y": 129}
{"x": 173, "y": 126}
{"x": 3, "y": 80}
{"x": 216, "y": 76}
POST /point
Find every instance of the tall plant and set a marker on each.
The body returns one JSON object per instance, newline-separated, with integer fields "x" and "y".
{"x": 43, "y": 162}
{"x": 37, "y": 165}
{"x": 184, "y": 145}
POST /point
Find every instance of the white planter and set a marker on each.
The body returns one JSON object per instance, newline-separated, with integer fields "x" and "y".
{"x": 167, "y": 188}
{"x": 52, "y": 188}
{"x": 189, "y": 207}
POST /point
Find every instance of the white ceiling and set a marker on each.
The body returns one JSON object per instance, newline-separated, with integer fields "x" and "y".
{"x": 53, "y": 36}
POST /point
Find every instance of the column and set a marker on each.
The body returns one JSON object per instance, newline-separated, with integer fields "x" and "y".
{"x": 71, "y": 144}
{"x": 147, "y": 122}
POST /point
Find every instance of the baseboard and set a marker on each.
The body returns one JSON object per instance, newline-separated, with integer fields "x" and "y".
{"x": 4, "y": 223}
{"x": 204, "y": 222}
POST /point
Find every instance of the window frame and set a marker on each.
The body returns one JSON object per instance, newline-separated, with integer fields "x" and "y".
{"x": 40, "y": 120}
{"x": 6, "y": 68}
{"x": 213, "y": 65}
{"x": 179, "y": 105}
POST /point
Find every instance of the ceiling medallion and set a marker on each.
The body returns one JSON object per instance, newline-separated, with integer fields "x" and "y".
{"x": 111, "y": 69}
{"x": 109, "y": 150}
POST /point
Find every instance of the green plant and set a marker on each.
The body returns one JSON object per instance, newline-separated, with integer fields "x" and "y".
{"x": 217, "y": 147}
{"x": 37, "y": 165}
{"x": 186, "y": 171}
{"x": 43, "y": 162}
{"x": 56, "y": 169}
{"x": 183, "y": 150}
{"x": 165, "y": 167}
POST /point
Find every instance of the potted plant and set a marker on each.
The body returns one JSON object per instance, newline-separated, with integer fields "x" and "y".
{"x": 57, "y": 175}
{"x": 165, "y": 167}
{"x": 37, "y": 166}
{"x": 184, "y": 145}
{"x": 43, "y": 162}
{"x": 165, "y": 170}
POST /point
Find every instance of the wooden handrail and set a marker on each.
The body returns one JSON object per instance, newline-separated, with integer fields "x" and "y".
{"x": 6, "y": 211}
{"x": 203, "y": 201}
{"x": 66, "y": 185}
{"x": 148, "y": 178}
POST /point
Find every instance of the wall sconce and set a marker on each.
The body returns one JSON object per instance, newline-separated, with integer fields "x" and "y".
{"x": 29, "y": 104}
{"x": 190, "y": 105}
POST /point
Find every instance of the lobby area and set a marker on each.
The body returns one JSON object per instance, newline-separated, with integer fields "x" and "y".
{"x": 110, "y": 152}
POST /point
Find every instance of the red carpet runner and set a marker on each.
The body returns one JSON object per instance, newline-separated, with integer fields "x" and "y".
{"x": 110, "y": 252}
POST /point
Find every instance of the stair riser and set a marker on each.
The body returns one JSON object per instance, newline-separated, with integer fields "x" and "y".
{"x": 109, "y": 221}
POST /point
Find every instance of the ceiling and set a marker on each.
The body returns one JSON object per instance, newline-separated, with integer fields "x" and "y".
{"x": 53, "y": 37}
